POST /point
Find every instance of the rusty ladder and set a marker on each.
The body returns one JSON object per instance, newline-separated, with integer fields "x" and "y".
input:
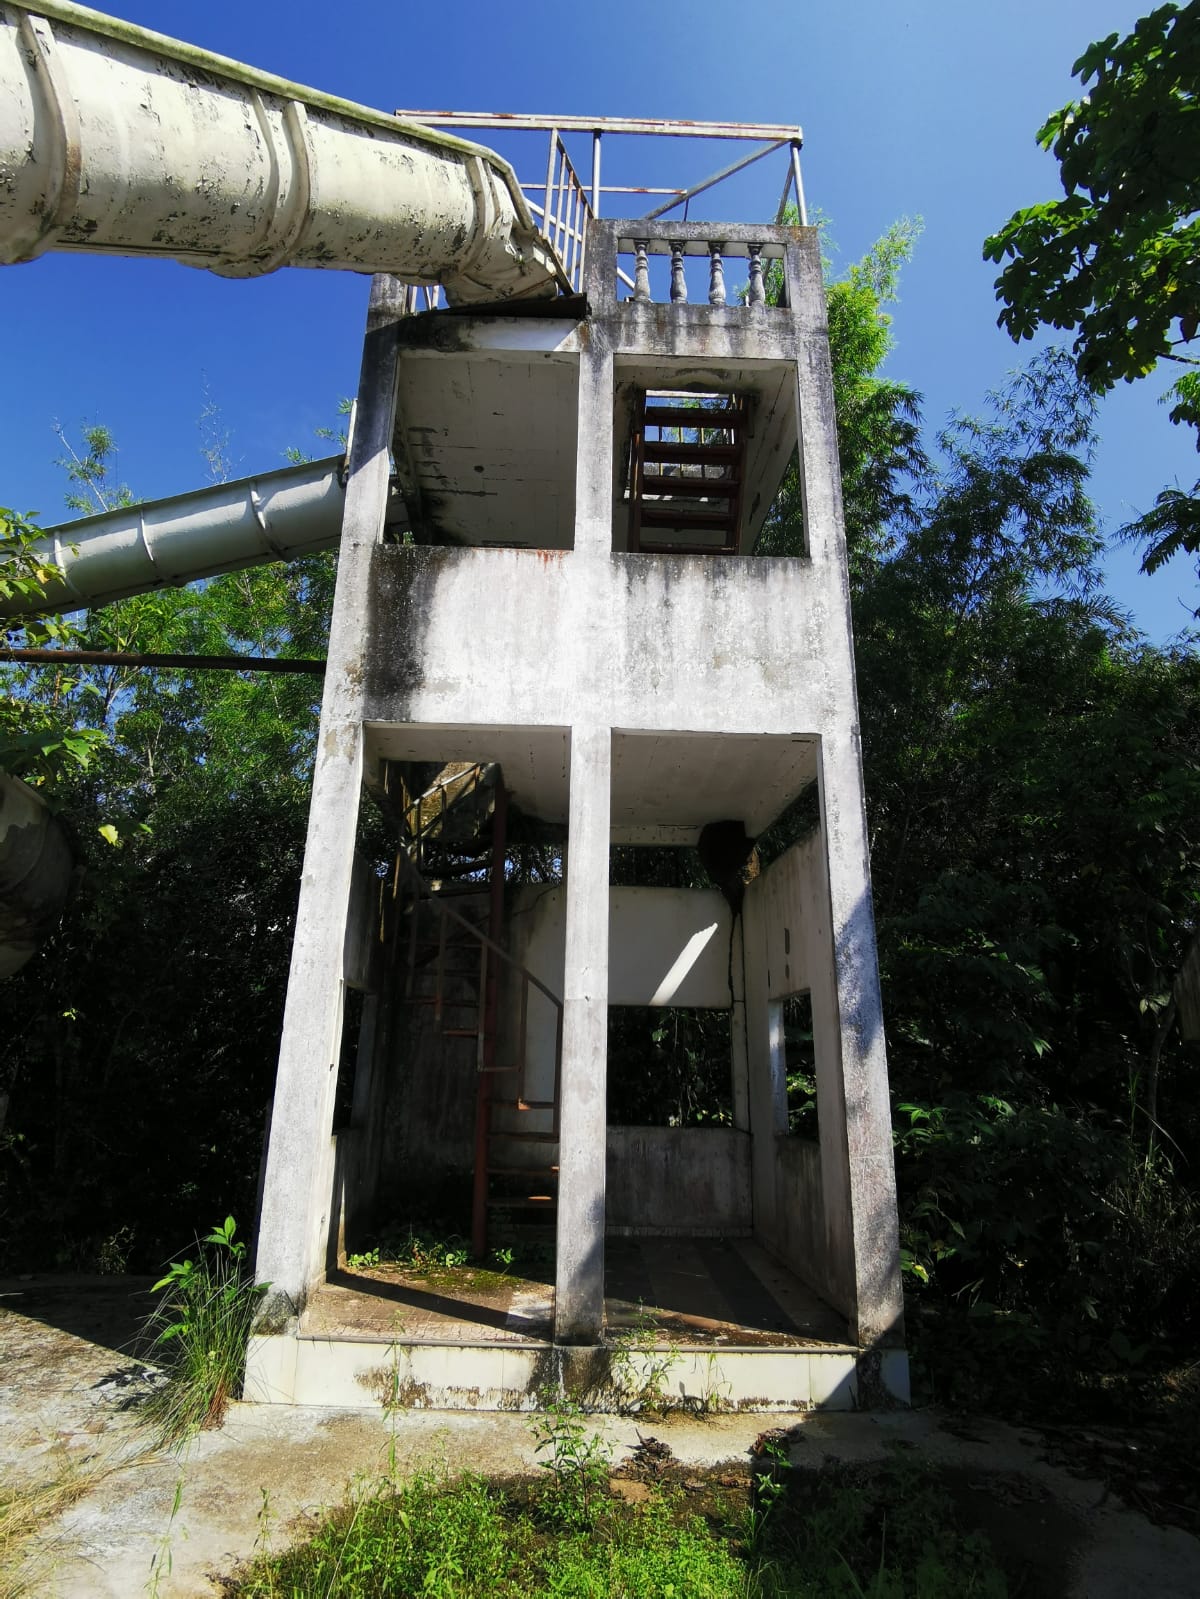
{"x": 493, "y": 1177}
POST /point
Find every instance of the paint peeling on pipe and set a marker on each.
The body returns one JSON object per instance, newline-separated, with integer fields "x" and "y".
{"x": 275, "y": 516}
{"x": 122, "y": 141}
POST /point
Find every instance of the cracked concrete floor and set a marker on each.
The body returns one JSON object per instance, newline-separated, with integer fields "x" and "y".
{"x": 65, "y": 1387}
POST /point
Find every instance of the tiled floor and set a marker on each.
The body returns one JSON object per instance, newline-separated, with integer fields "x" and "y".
{"x": 707, "y": 1291}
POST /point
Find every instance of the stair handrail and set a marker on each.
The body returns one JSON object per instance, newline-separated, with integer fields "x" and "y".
{"x": 425, "y": 889}
{"x": 471, "y": 778}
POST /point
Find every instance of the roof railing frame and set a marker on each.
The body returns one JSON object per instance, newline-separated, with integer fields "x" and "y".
{"x": 770, "y": 136}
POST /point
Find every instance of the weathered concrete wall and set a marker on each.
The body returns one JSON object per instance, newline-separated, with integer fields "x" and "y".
{"x": 667, "y": 946}
{"x": 800, "y": 1238}
{"x": 660, "y": 641}
{"x": 828, "y": 1212}
{"x": 678, "y": 1180}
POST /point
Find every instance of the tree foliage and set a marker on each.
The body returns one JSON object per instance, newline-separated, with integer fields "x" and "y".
{"x": 1117, "y": 260}
{"x": 1032, "y": 774}
{"x": 139, "y": 1047}
{"x": 878, "y": 417}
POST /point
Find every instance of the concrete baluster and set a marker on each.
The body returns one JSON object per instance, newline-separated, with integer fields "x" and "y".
{"x": 757, "y": 294}
{"x": 716, "y": 275}
{"x": 641, "y": 274}
{"x": 678, "y": 281}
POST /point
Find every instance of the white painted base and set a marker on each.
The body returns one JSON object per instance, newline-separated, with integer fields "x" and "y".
{"x": 284, "y": 1369}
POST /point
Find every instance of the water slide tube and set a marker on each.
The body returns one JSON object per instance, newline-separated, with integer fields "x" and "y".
{"x": 275, "y": 516}
{"x": 118, "y": 140}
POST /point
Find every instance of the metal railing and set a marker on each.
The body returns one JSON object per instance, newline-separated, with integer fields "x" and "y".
{"x": 427, "y": 814}
{"x": 567, "y": 203}
{"x": 406, "y": 875}
{"x": 564, "y": 212}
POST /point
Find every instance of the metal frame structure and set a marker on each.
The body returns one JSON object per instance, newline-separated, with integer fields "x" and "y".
{"x": 770, "y": 136}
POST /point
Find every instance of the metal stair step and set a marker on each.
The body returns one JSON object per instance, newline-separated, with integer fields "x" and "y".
{"x": 686, "y": 416}
{"x": 680, "y": 547}
{"x": 705, "y": 454}
{"x": 685, "y": 516}
{"x": 690, "y": 487}
{"x": 528, "y": 1173}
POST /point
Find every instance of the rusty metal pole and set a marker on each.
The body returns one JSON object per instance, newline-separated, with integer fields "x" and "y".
{"x": 491, "y": 1007}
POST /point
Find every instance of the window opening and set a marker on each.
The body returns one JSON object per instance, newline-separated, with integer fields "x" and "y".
{"x": 352, "y": 1017}
{"x": 669, "y": 1067}
{"x": 800, "y": 1066}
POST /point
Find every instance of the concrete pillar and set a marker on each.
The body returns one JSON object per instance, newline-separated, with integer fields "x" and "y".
{"x": 594, "y": 451}
{"x": 856, "y": 1100}
{"x": 853, "y": 1106}
{"x": 295, "y": 1219}
{"x": 579, "y": 1281}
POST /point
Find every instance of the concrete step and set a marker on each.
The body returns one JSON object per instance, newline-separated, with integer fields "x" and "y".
{"x": 511, "y": 1373}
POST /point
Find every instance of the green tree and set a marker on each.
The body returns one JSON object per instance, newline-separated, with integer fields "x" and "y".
{"x": 36, "y": 742}
{"x": 139, "y": 1047}
{"x": 1118, "y": 259}
{"x": 878, "y": 418}
{"x": 1033, "y": 788}
{"x": 91, "y": 473}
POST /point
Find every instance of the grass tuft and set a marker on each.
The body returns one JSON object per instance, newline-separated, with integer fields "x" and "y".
{"x": 200, "y": 1328}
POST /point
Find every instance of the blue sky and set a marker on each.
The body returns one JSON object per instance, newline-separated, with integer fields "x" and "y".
{"x": 927, "y": 110}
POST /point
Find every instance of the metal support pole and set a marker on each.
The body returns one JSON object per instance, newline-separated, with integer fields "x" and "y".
{"x": 800, "y": 205}
{"x": 490, "y": 1006}
{"x": 547, "y": 213}
{"x": 596, "y": 172}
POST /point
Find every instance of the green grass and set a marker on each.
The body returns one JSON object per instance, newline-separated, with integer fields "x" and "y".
{"x": 199, "y": 1330}
{"x": 884, "y": 1533}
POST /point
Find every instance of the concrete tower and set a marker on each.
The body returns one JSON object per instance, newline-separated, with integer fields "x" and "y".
{"x": 571, "y": 628}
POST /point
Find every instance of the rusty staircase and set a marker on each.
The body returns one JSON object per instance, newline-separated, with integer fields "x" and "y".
{"x": 687, "y": 470}
{"x": 452, "y": 853}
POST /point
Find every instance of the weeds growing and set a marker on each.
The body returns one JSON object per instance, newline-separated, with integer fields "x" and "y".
{"x": 200, "y": 1328}
{"x": 578, "y": 1460}
{"x": 844, "y": 1533}
{"x": 433, "y": 1253}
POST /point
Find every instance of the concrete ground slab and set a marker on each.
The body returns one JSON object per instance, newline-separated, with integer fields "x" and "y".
{"x": 62, "y": 1396}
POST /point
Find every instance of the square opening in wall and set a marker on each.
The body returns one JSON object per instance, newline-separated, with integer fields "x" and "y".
{"x": 485, "y": 445}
